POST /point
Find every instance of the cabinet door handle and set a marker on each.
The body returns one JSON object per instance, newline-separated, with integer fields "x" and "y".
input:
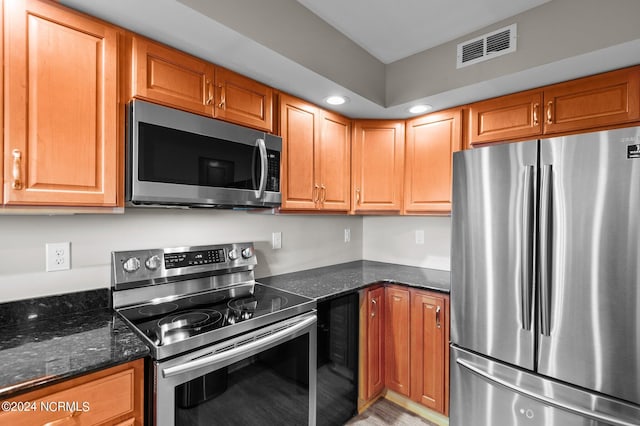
{"x": 17, "y": 167}
{"x": 323, "y": 193}
{"x": 209, "y": 92}
{"x": 223, "y": 97}
{"x": 63, "y": 420}
{"x": 535, "y": 113}
{"x": 374, "y": 307}
{"x": 314, "y": 195}
{"x": 550, "y": 112}
{"x": 358, "y": 196}
{"x": 438, "y": 317}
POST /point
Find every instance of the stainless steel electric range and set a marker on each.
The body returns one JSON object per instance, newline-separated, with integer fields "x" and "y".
{"x": 217, "y": 337}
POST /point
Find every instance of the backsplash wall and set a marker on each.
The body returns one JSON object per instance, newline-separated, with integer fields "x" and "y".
{"x": 308, "y": 241}
{"x": 393, "y": 239}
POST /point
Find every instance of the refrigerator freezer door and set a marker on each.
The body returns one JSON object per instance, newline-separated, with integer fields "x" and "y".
{"x": 492, "y": 255}
{"x": 590, "y": 261}
{"x": 488, "y": 393}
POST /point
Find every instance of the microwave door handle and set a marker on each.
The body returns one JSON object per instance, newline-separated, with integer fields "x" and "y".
{"x": 264, "y": 162}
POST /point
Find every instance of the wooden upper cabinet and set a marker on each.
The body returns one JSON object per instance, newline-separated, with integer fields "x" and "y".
{"x": 298, "y": 128}
{"x": 61, "y": 127}
{"x": 244, "y": 101}
{"x": 506, "y": 118}
{"x": 170, "y": 77}
{"x": 602, "y": 100}
{"x": 377, "y": 166}
{"x": 429, "y": 349}
{"x": 316, "y": 157}
{"x": 430, "y": 143}
{"x": 333, "y": 159}
{"x": 396, "y": 338}
{"x": 173, "y": 78}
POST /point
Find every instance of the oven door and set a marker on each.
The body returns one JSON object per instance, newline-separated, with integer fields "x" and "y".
{"x": 267, "y": 376}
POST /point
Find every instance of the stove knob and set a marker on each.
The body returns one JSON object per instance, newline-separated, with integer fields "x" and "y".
{"x": 153, "y": 262}
{"x": 247, "y": 253}
{"x": 132, "y": 264}
{"x": 233, "y": 254}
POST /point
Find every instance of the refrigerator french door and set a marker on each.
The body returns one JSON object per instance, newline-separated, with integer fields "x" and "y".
{"x": 546, "y": 279}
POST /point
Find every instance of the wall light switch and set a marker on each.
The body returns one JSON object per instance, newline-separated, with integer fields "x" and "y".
{"x": 58, "y": 256}
{"x": 419, "y": 236}
{"x": 276, "y": 240}
{"x": 347, "y": 235}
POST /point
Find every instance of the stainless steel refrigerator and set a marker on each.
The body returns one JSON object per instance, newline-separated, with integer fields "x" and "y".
{"x": 545, "y": 282}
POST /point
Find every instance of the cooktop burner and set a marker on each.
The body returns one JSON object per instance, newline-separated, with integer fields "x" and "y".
{"x": 183, "y": 318}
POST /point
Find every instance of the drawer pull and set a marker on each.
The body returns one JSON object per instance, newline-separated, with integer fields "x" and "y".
{"x": 17, "y": 162}
{"x": 64, "y": 419}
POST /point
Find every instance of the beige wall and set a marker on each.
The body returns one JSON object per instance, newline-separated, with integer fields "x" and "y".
{"x": 553, "y": 32}
{"x": 393, "y": 239}
{"x": 307, "y": 242}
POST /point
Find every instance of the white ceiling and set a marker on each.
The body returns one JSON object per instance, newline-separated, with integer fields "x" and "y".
{"x": 393, "y": 30}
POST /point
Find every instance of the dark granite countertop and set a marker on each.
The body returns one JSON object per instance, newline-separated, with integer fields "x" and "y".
{"x": 331, "y": 281}
{"x": 45, "y": 340}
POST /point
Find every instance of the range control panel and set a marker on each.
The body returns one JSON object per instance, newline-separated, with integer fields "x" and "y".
{"x": 192, "y": 258}
{"x": 144, "y": 267}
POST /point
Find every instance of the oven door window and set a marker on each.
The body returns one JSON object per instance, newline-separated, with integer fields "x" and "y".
{"x": 269, "y": 388}
{"x": 174, "y": 156}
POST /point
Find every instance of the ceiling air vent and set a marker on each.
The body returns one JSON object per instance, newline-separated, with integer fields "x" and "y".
{"x": 487, "y": 46}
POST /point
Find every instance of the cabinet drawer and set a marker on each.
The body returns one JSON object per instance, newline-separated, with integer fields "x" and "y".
{"x": 105, "y": 400}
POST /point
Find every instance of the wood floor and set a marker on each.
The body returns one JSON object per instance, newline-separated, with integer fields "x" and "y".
{"x": 384, "y": 412}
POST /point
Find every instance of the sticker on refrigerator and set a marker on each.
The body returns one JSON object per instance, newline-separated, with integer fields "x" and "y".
{"x": 633, "y": 151}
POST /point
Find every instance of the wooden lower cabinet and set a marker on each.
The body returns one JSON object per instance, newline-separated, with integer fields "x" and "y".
{"x": 430, "y": 350}
{"x": 114, "y": 396}
{"x": 372, "y": 345}
{"x": 396, "y": 336}
{"x": 412, "y": 354}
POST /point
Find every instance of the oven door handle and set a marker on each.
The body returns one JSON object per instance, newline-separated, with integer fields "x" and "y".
{"x": 254, "y": 346}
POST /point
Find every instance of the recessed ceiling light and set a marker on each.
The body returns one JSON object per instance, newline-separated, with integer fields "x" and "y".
{"x": 417, "y": 109}
{"x": 336, "y": 100}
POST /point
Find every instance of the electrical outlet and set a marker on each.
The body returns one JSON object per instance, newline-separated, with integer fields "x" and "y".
{"x": 58, "y": 256}
{"x": 419, "y": 236}
{"x": 276, "y": 240}
{"x": 347, "y": 235}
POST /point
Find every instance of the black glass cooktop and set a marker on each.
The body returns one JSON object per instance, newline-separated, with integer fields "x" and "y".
{"x": 204, "y": 313}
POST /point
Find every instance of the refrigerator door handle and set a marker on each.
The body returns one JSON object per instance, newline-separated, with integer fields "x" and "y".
{"x": 567, "y": 406}
{"x": 546, "y": 224}
{"x": 526, "y": 252}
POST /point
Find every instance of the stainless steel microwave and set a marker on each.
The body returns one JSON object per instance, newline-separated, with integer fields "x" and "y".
{"x": 175, "y": 158}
